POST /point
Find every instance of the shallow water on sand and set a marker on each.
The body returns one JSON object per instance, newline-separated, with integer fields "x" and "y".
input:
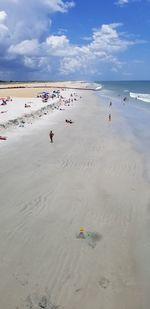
{"x": 133, "y": 125}
{"x": 135, "y": 122}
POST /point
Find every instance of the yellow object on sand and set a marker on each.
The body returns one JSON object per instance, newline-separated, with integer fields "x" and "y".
{"x": 82, "y": 229}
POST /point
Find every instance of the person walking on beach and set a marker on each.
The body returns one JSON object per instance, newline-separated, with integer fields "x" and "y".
{"x": 110, "y": 104}
{"x": 109, "y": 117}
{"x": 51, "y": 135}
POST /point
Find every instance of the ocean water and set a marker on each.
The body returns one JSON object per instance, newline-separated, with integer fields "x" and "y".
{"x": 139, "y": 90}
{"x": 135, "y": 111}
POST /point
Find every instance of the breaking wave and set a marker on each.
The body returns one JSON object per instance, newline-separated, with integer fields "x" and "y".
{"x": 145, "y": 97}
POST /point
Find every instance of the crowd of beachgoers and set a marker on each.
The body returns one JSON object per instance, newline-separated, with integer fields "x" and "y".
{"x": 19, "y": 112}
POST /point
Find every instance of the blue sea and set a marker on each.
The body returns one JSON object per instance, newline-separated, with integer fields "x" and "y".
{"x": 139, "y": 90}
{"x": 135, "y": 110}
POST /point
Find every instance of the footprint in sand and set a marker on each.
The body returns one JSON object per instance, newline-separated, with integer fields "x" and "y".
{"x": 104, "y": 283}
{"x": 22, "y": 279}
{"x": 36, "y": 302}
{"x": 77, "y": 290}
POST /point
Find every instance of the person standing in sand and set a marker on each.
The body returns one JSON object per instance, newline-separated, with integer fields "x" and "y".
{"x": 51, "y": 135}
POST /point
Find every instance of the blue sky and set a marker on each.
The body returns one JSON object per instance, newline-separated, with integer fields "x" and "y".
{"x": 74, "y": 39}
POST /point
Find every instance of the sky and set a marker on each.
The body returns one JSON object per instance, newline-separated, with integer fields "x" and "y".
{"x": 75, "y": 40}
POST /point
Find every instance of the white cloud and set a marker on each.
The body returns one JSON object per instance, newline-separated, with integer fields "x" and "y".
{"x": 58, "y": 5}
{"x": 32, "y": 20}
{"x": 66, "y": 58}
{"x": 3, "y": 16}
{"x": 106, "y": 44}
{"x": 55, "y": 41}
{"x": 26, "y": 41}
{"x": 70, "y": 65}
{"x": 3, "y": 31}
{"x": 27, "y": 47}
{"x": 61, "y": 31}
{"x": 86, "y": 38}
{"x": 3, "y": 27}
{"x": 24, "y": 29}
{"x": 36, "y": 63}
{"x": 122, "y": 2}
{"x": 108, "y": 39}
{"x": 59, "y": 46}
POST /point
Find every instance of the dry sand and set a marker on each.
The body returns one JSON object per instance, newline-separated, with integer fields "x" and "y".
{"x": 91, "y": 177}
{"x": 27, "y": 90}
{"x": 16, "y": 114}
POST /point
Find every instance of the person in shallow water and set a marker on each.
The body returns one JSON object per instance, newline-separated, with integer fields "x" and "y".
{"x": 109, "y": 117}
{"x": 51, "y": 135}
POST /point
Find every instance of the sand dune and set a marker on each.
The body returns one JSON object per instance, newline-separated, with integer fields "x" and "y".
{"x": 91, "y": 177}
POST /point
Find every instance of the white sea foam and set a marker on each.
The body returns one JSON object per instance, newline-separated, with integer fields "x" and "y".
{"x": 141, "y": 96}
{"x": 96, "y": 86}
{"x": 99, "y": 88}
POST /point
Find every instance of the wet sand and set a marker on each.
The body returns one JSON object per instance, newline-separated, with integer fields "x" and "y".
{"x": 90, "y": 177}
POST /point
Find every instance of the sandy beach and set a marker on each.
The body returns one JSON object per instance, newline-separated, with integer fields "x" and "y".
{"x": 27, "y": 90}
{"x": 92, "y": 176}
{"x": 21, "y": 107}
